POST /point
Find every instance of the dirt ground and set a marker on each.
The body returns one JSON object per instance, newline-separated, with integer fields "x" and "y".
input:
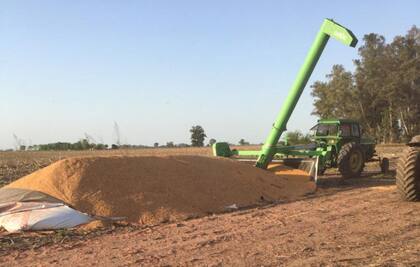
{"x": 345, "y": 223}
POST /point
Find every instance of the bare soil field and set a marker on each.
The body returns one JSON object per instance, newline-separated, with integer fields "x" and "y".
{"x": 345, "y": 223}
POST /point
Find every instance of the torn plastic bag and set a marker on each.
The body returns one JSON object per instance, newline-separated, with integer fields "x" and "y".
{"x": 22, "y": 216}
{"x": 22, "y": 210}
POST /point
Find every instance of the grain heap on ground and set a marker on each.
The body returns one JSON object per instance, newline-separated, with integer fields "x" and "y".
{"x": 154, "y": 189}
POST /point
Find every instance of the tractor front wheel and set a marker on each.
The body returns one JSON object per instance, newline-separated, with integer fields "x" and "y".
{"x": 351, "y": 160}
{"x": 408, "y": 174}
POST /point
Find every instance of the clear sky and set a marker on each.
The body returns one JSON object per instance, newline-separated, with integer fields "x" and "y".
{"x": 159, "y": 67}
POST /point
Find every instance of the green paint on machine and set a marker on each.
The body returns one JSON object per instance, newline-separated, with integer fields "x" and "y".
{"x": 271, "y": 149}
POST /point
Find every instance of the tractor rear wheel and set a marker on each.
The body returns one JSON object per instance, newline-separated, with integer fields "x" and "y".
{"x": 351, "y": 160}
{"x": 408, "y": 174}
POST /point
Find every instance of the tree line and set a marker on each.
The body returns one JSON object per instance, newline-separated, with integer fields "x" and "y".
{"x": 197, "y": 137}
{"x": 383, "y": 92}
{"x": 82, "y": 144}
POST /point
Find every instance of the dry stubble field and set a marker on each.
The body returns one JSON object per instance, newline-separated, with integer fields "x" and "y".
{"x": 345, "y": 223}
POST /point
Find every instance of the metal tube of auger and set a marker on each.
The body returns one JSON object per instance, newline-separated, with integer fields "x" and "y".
{"x": 328, "y": 27}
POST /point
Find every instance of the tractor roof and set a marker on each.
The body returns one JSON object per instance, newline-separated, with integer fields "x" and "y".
{"x": 336, "y": 121}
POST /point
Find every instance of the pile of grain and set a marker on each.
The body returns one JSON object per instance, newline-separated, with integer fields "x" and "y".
{"x": 154, "y": 189}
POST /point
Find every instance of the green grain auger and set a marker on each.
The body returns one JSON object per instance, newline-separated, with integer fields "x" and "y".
{"x": 271, "y": 149}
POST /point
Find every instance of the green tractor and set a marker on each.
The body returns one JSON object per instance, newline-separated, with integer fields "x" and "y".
{"x": 346, "y": 148}
{"x": 337, "y": 143}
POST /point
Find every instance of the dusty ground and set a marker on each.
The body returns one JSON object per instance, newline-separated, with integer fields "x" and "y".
{"x": 347, "y": 222}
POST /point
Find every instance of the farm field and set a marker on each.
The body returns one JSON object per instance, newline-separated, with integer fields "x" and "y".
{"x": 132, "y": 133}
{"x": 345, "y": 223}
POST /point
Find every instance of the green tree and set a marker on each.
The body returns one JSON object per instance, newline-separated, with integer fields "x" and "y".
{"x": 371, "y": 85}
{"x": 336, "y": 97}
{"x": 297, "y": 138}
{"x": 197, "y": 136}
{"x": 114, "y": 146}
{"x": 403, "y": 84}
{"x": 212, "y": 141}
{"x": 242, "y": 142}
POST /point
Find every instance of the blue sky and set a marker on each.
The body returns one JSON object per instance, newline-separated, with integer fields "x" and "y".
{"x": 159, "y": 67}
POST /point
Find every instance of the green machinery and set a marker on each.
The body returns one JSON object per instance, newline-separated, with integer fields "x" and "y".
{"x": 344, "y": 144}
{"x": 271, "y": 149}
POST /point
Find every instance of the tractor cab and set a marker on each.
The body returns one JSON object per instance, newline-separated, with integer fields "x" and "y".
{"x": 338, "y": 133}
{"x": 333, "y": 131}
